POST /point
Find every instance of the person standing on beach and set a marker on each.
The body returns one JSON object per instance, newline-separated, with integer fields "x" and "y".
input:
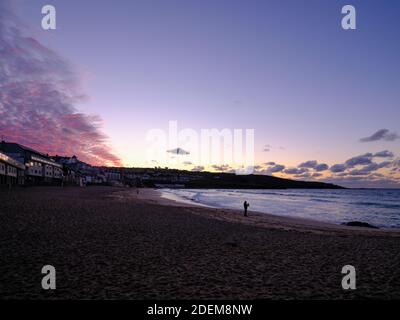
{"x": 245, "y": 205}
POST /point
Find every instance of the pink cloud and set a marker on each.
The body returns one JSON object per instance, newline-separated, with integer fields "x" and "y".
{"x": 38, "y": 93}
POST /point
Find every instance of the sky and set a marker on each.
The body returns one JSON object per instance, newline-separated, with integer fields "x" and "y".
{"x": 323, "y": 101}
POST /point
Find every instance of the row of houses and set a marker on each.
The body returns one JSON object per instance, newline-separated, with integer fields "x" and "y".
{"x": 11, "y": 171}
{"x": 21, "y": 165}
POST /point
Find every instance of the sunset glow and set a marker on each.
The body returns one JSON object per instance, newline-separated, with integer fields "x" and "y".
{"x": 310, "y": 91}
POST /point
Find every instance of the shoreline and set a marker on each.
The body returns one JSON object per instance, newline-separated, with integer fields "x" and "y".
{"x": 110, "y": 243}
{"x": 255, "y": 218}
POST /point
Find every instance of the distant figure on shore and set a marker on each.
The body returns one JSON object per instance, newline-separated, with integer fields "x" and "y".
{"x": 245, "y": 205}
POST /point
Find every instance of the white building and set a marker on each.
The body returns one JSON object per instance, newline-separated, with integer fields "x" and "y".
{"x": 11, "y": 171}
{"x": 39, "y": 168}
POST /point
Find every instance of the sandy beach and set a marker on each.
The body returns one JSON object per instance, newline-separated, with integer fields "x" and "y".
{"x": 110, "y": 243}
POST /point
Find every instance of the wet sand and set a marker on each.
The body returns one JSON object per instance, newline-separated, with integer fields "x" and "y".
{"x": 110, "y": 243}
{"x": 258, "y": 219}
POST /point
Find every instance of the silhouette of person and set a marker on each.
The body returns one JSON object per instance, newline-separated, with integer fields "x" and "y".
{"x": 245, "y": 205}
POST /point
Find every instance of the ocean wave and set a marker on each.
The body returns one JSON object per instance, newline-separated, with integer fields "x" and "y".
{"x": 377, "y": 207}
{"x": 321, "y": 200}
{"x": 376, "y": 204}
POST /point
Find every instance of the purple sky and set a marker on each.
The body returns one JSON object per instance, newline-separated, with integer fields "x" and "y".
{"x": 285, "y": 68}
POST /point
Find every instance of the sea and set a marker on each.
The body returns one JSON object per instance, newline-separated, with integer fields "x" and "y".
{"x": 378, "y": 207}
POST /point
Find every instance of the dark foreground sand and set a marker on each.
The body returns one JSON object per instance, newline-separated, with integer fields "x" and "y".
{"x": 108, "y": 243}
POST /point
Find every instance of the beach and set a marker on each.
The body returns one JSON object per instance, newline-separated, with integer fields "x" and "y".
{"x": 112, "y": 243}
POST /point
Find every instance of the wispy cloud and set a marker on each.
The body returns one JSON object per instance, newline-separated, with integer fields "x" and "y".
{"x": 382, "y": 134}
{"x": 267, "y": 148}
{"x": 269, "y": 168}
{"x": 371, "y": 169}
{"x": 222, "y": 168}
{"x": 295, "y": 171}
{"x": 313, "y": 164}
{"x": 39, "y": 91}
{"x": 340, "y": 167}
{"x": 276, "y": 168}
{"x": 178, "y": 151}
{"x": 384, "y": 154}
{"x": 366, "y": 159}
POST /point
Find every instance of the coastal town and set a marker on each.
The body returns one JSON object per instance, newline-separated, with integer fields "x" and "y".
{"x": 23, "y": 166}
